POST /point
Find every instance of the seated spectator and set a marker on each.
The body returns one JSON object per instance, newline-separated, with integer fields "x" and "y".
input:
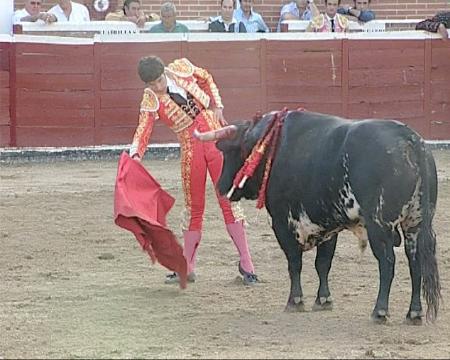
{"x": 360, "y": 11}
{"x": 226, "y": 22}
{"x": 251, "y": 19}
{"x": 131, "y": 11}
{"x": 70, "y": 11}
{"x": 298, "y": 10}
{"x": 331, "y": 21}
{"x": 32, "y": 13}
{"x": 169, "y": 22}
{"x": 437, "y": 24}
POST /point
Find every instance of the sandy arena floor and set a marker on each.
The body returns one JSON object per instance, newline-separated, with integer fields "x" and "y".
{"x": 74, "y": 285}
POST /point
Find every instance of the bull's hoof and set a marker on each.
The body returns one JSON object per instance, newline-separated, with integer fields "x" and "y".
{"x": 296, "y": 305}
{"x": 323, "y": 303}
{"x": 414, "y": 318}
{"x": 380, "y": 317}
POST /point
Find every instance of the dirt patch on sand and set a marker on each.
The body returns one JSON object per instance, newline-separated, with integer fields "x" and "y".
{"x": 74, "y": 285}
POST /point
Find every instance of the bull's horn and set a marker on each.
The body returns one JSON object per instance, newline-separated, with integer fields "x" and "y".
{"x": 212, "y": 135}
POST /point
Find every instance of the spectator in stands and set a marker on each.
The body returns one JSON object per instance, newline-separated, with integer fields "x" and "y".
{"x": 131, "y": 11}
{"x": 298, "y": 10}
{"x": 251, "y": 19}
{"x": 437, "y": 24}
{"x": 331, "y": 21}
{"x": 169, "y": 22}
{"x": 360, "y": 11}
{"x": 70, "y": 11}
{"x": 226, "y": 22}
{"x": 32, "y": 13}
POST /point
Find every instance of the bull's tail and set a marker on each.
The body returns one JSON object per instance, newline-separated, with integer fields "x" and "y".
{"x": 430, "y": 275}
{"x": 427, "y": 238}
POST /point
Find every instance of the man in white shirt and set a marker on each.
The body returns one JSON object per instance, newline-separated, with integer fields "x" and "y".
{"x": 32, "y": 13}
{"x": 70, "y": 11}
{"x": 298, "y": 10}
{"x": 252, "y": 20}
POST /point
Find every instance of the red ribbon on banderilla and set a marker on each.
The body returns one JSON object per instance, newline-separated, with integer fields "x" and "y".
{"x": 268, "y": 140}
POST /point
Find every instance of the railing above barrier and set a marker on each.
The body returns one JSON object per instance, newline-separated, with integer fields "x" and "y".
{"x": 89, "y": 29}
{"x": 370, "y": 26}
{"x": 92, "y": 28}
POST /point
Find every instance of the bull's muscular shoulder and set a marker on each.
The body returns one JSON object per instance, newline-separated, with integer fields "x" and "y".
{"x": 149, "y": 101}
{"x": 181, "y": 67}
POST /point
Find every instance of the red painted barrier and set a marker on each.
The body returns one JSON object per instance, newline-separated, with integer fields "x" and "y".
{"x": 89, "y": 94}
{"x": 5, "y": 119}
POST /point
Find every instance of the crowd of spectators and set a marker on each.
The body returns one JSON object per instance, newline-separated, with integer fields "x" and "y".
{"x": 62, "y": 11}
{"x": 234, "y": 16}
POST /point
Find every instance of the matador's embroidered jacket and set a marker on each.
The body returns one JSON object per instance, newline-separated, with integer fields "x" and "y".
{"x": 196, "y": 81}
{"x": 321, "y": 23}
{"x": 197, "y": 158}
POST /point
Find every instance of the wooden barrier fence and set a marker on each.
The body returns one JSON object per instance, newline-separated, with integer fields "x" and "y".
{"x": 77, "y": 92}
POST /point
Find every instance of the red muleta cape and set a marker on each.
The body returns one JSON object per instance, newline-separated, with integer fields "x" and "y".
{"x": 141, "y": 206}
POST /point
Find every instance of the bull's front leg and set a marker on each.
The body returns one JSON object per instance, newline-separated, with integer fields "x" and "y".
{"x": 293, "y": 252}
{"x": 324, "y": 257}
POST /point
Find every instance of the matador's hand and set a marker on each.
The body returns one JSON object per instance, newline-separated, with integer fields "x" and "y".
{"x": 136, "y": 157}
{"x": 218, "y": 113}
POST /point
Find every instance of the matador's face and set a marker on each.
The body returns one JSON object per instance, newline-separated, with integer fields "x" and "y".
{"x": 159, "y": 86}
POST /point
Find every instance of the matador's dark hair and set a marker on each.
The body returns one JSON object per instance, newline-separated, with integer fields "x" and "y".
{"x": 150, "y": 68}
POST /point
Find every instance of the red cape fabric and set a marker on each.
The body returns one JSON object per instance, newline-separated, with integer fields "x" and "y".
{"x": 141, "y": 206}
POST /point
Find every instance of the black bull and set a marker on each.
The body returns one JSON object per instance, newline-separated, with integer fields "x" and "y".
{"x": 373, "y": 177}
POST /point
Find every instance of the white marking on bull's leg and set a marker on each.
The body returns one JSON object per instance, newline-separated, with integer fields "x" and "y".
{"x": 411, "y": 243}
{"x": 400, "y": 233}
{"x": 304, "y": 228}
{"x": 347, "y": 196}
{"x": 410, "y": 218}
{"x": 378, "y": 215}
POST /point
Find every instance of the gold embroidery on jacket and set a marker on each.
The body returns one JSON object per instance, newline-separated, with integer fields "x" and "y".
{"x": 213, "y": 123}
{"x": 180, "y": 120}
{"x": 186, "y": 169}
{"x": 149, "y": 101}
{"x": 343, "y": 21}
{"x": 181, "y": 67}
{"x": 207, "y": 77}
{"x": 195, "y": 90}
{"x": 147, "y": 116}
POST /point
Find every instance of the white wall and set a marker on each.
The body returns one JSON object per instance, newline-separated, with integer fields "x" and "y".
{"x": 6, "y": 14}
